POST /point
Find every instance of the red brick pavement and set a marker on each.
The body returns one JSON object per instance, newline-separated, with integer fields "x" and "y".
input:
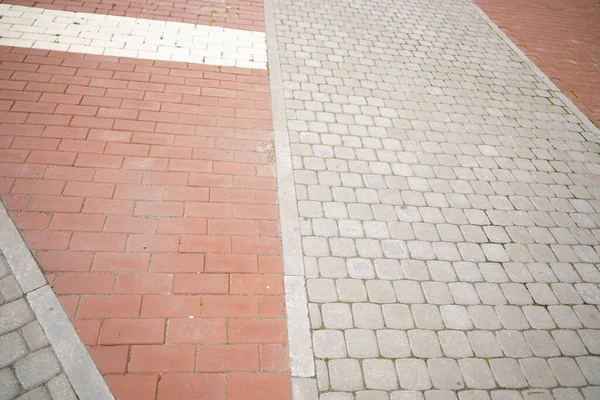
{"x": 562, "y": 37}
{"x": 146, "y": 191}
{"x": 235, "y": 14}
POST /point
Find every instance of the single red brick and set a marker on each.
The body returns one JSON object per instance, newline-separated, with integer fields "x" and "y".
{"x": 109, "y": 135}
{"x": 84, "y": 241}
{"x": 255, "y": 182}
{"x": 270, "y": 264}
{"x": 83, "y": 283}
{"x": 114, "y": 306}
{"x": 16, "y": 202}
{"x": 170, "y": 306}
{"x": 118, "y": 176}
{"x": 132, "y": 386}
{"x": 141, "y": 105}
{"x": 110, "y": 359}
{"x": 171, "y": 152}
{"x": 31, "y": 220}
{"x": 152, "y": 138}
{"x": 48, "y": 119}
{"x": 268, "y": 228}
{"x": 93, "y": 122}
{"x": 132, "y": 331}
{"x": 17, "y": 156}
{"x": 70, "y": 173}
{"x": 203, "y": 142}
{"x": 37, "y": 240}
{"x": 178, "y": 129}
{"x": 226, "y": 358}
{"x": 177, "y": 262}
{"x": 130, "y": 224}
{"x": 60, "y": 98}
{"x": 264, "y": 386}
{"x": 273, "y": 358}
{"x": 256, "y": 284}
{"x": 272, "y": 306}
{"x": 161, "y": 358}
{"x": 197, "y": 330}
{"x": 34, "y": 143}
{"x": 65, "y": 132}
{"x": 127, "y": 149}
{"x": 127, "y": 124}
{"x": 22, "y": 170}
{"x": 182, "y": 225}
{"x": 232, "y": 226}
{"x": 89, "y": 189}
{"x": 165, "y": 178}
{"x": 210, "y": 180}
{"x": 143, "y": 283}
{"x": 257, "y": 331}
{"x": 145, "y": 163}
{"x": 229, "y": 306}
{"x": 256, "y": 245}
{"x": 225, "y": 195}
{"x": 98, "y": 161}
{"x": 197, "y": 209}
{"x": 205, "y": 244}
{"x": 153, "y": 243}
{"x": 201, "y": 284}
{"x": 190, "y": 165}
{"x": 250, "y": 211}
{"x": 77, "y": 222}
{"x": 121, "y": 262}
{"x": 231, "y": 263}
{"x": 56, "y": 203}
{"x": 51, "y": 157}
{"x": 158, "y": 209}
{"x": 192, "y": 387}
{"x": 72, "y": 109}
{"x": 108, "y": 206}
{"x": 37, "y": 186}
{"x": 88, "y": 331}
{"x": 81, "y": 146}
{"x": 138, "y": 192}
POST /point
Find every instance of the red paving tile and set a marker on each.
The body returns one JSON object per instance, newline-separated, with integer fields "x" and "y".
{"x": 234, "y": 14}
{"x": 562, "y": 37}
{"x": 161, "y": 239}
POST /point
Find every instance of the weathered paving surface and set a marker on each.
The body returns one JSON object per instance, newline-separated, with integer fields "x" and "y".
{"x": 448, "y": 207}
{"x": 28, "y": 364}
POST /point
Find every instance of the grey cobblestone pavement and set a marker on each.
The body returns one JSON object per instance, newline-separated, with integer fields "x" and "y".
{"x": 449, "y": 207}
{"x": 29, "y": 368}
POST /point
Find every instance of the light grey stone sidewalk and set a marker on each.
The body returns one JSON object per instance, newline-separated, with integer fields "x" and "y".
{"x": 448, "y": 208}
{"x": 41, "y": 356}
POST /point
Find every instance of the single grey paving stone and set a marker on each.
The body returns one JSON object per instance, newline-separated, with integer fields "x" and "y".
{"x": 9, "y": 288}
{"x": 14, "y": 315}
{"x": 12, "y": 349}
{"x": 569, "y": 342}
{"x": 590, "y": 366}
{"x": 565, "y": 317}
{"x": 351, "y": 290}
{"x": 567, "y": 372}
{"x": 397, "y": 316}
{"x": 336, "y": 396}
{"x": 427, "y": 316}
{"x": 321, "y": 290}
{"x": 380, "y": 291}
{"x": 380, "y": 374}
{"x": 8, "y": 384}
{"x": 476, "y": 373}
{"x": 361, "y": 343}
{"x": 484, "y": 317}
{"x": 588, "y": 315}
{"x": 445, "y": 374}
{"x": 388, "y": 269}
{"x": 413, "y": 374}
{"x": 39, "y": 393}
{"x": 513, "y": 343}
{"x": 345, "y": 375}
{"x": 512, "y": 317}
{"x": 507, "y": 373}
{"x": 37, "y": 368}
{"x": 538, "y": 317}
{"x": 393, "y": 343}
{"x": 542, "y": 343}
{"x": 456, "y": 317}
{"x": 337, "y": 316}
{"x": 424, "y": 344}
{"x": 322, "y": 375}
{"x": 537, "y": 372}
{"x": 409, "y": 292}
{"x": 485, "y": 344}
{"x": 473, "y": 395}
{"x": 329, "y": 344}
{"x": 455, "y": 344}
{"x": 367, "y": 316}
{"x": 591, "y": 392}
{"x": 406, "y": 395}
{"x": 567, "y": 394}
{"x": 60, "y": 388}
{"x": 34, "y": 336}
{"x": 591, "y": 338}
{"x": 506, "y": 395}
{"x": 372, "y": 395}
{"x": 440, "y": 395}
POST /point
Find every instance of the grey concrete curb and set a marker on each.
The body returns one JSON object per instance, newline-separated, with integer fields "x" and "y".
{"x": 302, "y": 363}
{"x": 86, "y": 380}
{"x": 568, "y": 103}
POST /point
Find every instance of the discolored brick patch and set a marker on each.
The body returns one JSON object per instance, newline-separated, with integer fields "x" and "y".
{"x": 146, "y": 191}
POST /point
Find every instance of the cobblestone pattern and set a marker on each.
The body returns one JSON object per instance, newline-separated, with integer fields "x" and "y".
{"x": 448, "y": 207}
{"x": 29, "y": 368}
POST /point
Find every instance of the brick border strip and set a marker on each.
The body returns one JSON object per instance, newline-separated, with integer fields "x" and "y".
{"x": 301, "y": 358}
{"x": 595, "y": 131}
{"x": 70, "y": 351}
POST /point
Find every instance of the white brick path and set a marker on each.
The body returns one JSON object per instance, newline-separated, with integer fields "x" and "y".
{"x": 130, "y": 37}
